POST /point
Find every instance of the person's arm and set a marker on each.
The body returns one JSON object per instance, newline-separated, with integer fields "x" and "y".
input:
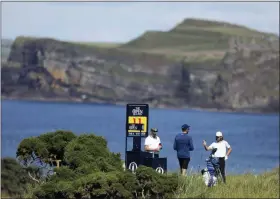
{"x": 147, "y": 143}
{"x": 175, "y": 145}
{"x": 146, "y": 148}
{"x": 191, "y": 144}
{"x": 207, "y": 148}
{"x": 160, "y": 145}
{"x": 229, "y": 148}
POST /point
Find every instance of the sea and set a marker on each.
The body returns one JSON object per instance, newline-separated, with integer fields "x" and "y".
{"x": 254, "y": 138}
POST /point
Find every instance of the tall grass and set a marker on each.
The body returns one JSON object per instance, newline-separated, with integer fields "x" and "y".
{"x": 248, "y": 185}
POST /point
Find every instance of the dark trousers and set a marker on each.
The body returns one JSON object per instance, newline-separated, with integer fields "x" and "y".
{"x": 222, "y": 168}
{"x": 184, "y": 163}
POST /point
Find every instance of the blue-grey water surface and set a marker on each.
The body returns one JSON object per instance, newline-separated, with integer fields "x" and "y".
{"x": 254, "y": 137}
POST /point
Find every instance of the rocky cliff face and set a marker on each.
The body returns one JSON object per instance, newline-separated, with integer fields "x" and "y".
{"x": 245, "y": 79}
{"x": 254, "y": 78}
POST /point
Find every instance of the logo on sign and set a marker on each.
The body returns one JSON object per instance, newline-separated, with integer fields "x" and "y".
{"x": 160, "y": 170}
{"x": 132, "y": 166}
{"x": 137, "y": 111}
{"x": 133, "y": 127}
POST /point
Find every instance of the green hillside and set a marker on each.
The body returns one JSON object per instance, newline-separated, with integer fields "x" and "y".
{"x": 100, "y": 44}
{"x": 198, "y": 40}
{"x": 195, "y": 38}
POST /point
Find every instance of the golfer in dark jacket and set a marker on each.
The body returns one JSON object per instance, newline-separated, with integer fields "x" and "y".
{"x": 183, "y": 144}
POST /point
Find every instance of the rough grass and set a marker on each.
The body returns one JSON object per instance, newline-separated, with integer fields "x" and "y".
{"x": 248, "y": 185}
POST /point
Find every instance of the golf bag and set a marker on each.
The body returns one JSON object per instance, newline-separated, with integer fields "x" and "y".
{"x": 212, "y": 172}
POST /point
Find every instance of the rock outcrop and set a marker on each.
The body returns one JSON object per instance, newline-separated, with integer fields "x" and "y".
{"x": 246, "y": 79}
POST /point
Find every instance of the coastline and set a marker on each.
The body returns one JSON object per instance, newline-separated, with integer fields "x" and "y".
{"x": 156, "y": 106}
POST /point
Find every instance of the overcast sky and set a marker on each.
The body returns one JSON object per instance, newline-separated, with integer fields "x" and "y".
{"x": 121, "y": 22}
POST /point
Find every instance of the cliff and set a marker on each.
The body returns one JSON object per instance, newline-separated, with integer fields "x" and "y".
{"x": 244, "y": 78}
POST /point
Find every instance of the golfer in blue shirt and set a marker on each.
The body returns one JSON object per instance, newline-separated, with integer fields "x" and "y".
{"x": 183, "y": 144}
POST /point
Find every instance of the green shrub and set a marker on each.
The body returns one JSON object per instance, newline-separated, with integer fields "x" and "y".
{"x": 90, "y": 153}
{"x": 153, "y": 184}
{"x": 46, "y": 147}
{"x": 90, "y": 170}
{"x": 14, "y": 178}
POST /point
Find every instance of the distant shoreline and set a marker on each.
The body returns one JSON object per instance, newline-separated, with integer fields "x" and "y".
{"x": 160, "y": 106}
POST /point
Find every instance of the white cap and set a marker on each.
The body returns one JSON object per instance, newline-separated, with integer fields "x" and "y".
{"x": 219, "y": 133}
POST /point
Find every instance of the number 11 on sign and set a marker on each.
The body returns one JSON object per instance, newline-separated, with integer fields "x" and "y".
{"x": 138, "y": 120}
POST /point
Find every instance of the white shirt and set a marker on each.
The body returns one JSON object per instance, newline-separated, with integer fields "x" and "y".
{"x": 221, "y": 148}
{"x": 151, "y": 142}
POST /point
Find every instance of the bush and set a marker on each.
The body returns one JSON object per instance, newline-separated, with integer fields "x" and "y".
{"x": 14, "y": 178}
{"x": 90, "y": 170}
{"x": 45, "y": 148}
{"x": 90, "y": 153}
{"x": 117, "y": 184}
{"x": 153, "y": 184}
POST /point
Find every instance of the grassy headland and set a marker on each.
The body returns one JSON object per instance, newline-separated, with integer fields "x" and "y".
{"x": 197, "y": 39}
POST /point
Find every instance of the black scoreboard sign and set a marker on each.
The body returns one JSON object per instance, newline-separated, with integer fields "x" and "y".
{"x": 137, "y": 120}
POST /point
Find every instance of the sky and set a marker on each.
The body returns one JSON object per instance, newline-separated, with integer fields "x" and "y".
{"x": 123, "y": 21}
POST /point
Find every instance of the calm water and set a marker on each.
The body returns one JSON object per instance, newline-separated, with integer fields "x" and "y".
{"x": 254, "y": 138}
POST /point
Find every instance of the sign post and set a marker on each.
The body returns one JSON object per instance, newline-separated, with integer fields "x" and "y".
{"x": 137, "y": 114}
{"x": 137, "y": 121}
{"x": 137, "y": 127}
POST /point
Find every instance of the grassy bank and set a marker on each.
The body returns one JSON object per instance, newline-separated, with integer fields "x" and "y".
{"x": 265, "y": 185}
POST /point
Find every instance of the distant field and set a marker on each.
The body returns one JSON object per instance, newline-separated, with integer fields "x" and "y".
{"x": 99, "y": 44}
{"x": 93, "y": 44}
{"x": 194, "y": 39}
